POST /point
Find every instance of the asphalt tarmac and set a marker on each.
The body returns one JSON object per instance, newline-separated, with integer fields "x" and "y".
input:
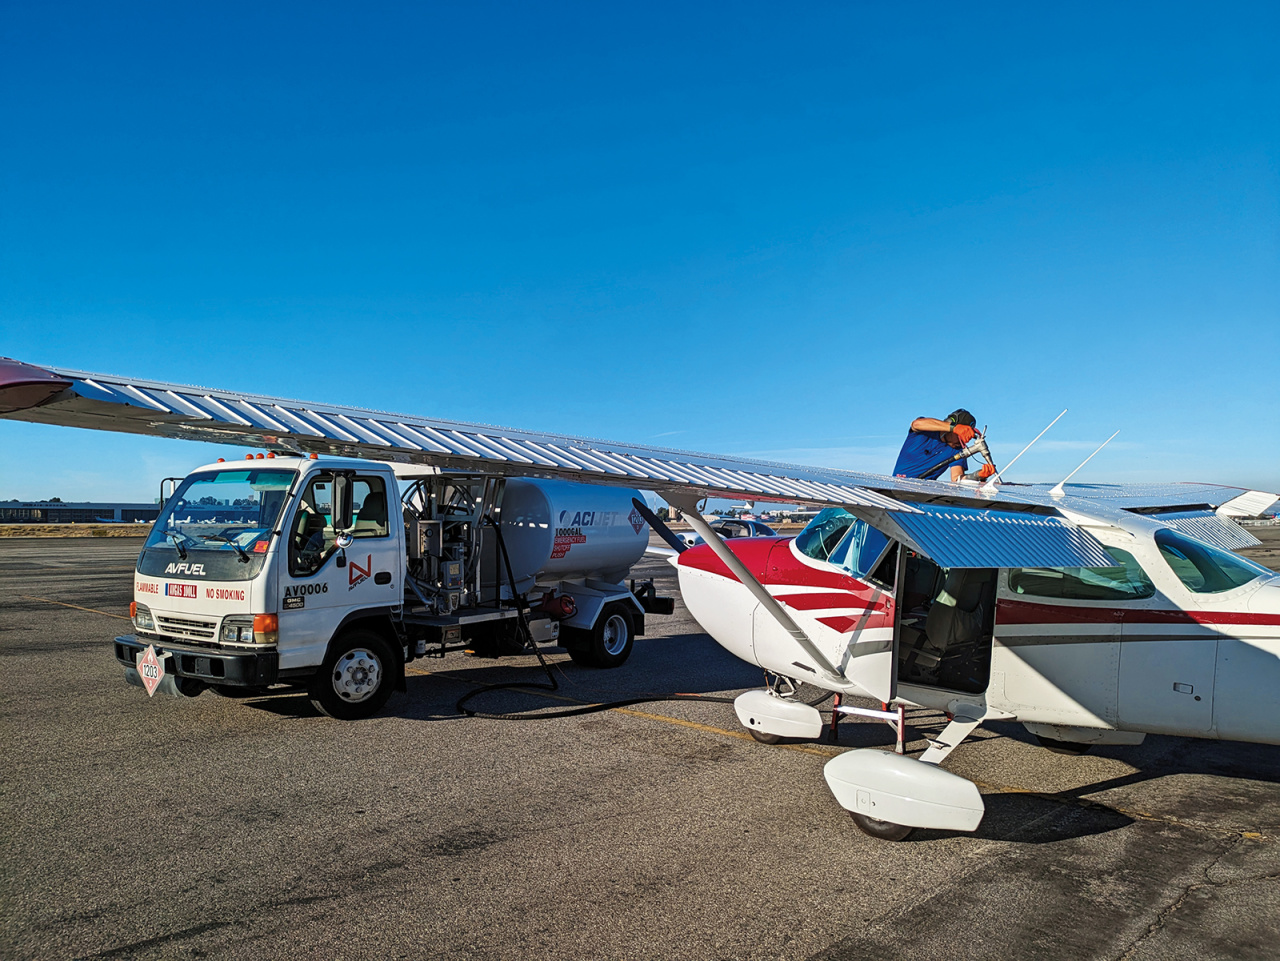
{"x": 212, "y": 827}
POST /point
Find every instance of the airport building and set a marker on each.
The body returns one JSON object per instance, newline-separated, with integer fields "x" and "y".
{"x": 81, "y": 512}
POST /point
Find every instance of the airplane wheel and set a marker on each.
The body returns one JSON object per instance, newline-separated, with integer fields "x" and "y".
{"x": 883, "y": 830}
{"x": 1070, "y": 748}
{"x": 764, "y": 738}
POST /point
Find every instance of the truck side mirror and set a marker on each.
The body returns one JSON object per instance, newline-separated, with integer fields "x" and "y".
{"x": 342, "y": 509}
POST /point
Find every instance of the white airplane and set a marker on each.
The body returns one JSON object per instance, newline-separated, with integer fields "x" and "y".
{"x": 1091, "y": 614}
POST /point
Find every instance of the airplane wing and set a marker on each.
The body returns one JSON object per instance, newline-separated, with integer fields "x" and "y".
{"x": 1207, "y": 512}
{"x": 1016, "y": 527}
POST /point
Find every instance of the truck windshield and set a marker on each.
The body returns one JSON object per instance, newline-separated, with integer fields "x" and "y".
{"x": 218, "y": 524}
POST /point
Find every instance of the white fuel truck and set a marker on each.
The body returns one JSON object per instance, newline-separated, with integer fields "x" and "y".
{"x": 331, "y": 574}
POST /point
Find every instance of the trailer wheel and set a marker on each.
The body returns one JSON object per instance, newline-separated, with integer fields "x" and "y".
{"x": 609, "y": 642}
{"x": 883, "y": 830}
{"x": 355, "y": 679}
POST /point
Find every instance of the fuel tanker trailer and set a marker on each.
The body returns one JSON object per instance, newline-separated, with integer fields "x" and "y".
{"x": 330, "y": 574}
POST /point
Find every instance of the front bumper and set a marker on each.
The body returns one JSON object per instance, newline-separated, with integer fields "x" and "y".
{"x": 233, "y": 669}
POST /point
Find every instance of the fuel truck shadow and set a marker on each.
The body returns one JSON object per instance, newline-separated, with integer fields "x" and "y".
{"x": 690, "y": 664}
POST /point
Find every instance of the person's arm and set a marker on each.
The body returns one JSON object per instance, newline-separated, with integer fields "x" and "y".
{"x": 926, "y": 425}
{"x": 956, "y": 473}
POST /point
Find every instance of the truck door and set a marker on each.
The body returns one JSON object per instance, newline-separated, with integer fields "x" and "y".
{"x": 321, "y": 582}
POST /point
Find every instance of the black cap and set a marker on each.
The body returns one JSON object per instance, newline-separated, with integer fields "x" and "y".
{"x": 961, "y": 416}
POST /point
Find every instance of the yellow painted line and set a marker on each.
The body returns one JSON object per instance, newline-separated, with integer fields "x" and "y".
{"x": 91, "y": 610}
{"x": 708, "y": 729}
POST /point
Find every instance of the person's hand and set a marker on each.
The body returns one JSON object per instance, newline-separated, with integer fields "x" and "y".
{"x": 986, "y": 471}
{"x": 964, "y": 433}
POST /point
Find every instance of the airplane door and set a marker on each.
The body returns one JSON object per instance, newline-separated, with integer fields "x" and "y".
{"x": 870, "y": 657}
{"x": 1166, "y": 676}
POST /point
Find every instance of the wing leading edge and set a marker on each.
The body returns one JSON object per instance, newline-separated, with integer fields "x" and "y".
{"x": 106, "y": 402}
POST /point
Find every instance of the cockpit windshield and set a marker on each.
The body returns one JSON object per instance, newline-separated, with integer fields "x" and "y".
{"x": 823, "y": 534}
{"x": 1202, "y": 568}
{"x": 221, "y": 520}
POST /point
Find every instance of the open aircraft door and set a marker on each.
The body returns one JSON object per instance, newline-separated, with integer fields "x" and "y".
{"x": 870, "y": 659}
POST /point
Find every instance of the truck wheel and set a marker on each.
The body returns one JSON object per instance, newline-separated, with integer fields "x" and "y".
{"x": 609, "y": 641}
{"x": 355, "y": 679}
{"x": 884, "y": 830}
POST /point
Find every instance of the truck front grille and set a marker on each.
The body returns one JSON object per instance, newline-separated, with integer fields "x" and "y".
{"x": 187, "y": 627}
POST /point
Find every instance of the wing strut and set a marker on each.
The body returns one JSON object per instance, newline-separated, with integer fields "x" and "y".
{"x": 689, "y": 507}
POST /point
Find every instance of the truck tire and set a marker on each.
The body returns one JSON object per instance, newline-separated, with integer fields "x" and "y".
{"x": 356, "y": 677}
{"x": 611, "y": 638}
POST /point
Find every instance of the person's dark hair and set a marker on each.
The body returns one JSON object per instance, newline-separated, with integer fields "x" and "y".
{"x": 961, "y": 416}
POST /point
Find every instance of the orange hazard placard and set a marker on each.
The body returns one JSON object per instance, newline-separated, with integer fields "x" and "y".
{"x": 151, "y": 670}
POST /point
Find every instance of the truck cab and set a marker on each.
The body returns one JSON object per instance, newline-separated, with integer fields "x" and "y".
{"x": 332, "y": 574}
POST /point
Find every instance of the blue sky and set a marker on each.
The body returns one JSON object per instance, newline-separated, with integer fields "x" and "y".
{"x": 731, "y": 228}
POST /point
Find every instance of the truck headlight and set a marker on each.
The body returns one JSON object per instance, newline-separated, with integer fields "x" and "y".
{"x": 142, "y": 619}
{"x": 237, "y": 629}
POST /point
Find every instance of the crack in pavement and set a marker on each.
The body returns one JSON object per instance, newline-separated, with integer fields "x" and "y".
{"x": 1168, "y": 911}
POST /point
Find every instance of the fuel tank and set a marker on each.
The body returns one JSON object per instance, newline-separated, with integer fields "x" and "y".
{"x": 558, "y": 530}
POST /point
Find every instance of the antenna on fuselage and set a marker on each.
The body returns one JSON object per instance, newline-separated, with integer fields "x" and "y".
{"x": 1059, "y": 491}
{"x": 990, "y": 482}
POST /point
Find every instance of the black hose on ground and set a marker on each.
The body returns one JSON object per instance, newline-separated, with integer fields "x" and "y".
{"x": 553, "y": 684}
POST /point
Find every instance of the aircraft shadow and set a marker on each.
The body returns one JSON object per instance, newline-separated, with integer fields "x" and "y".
{"x": 1036, "y": 819}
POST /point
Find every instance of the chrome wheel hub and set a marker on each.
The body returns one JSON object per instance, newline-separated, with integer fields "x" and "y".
{"x": 615, "y": 634}
{"x": 357, "y": 675}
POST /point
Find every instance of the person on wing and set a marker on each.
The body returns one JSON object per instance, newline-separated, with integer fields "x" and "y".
{"x": 930, "y": 442}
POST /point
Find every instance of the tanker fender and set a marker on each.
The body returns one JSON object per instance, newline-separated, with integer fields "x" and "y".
{"x": 591, "y": 600}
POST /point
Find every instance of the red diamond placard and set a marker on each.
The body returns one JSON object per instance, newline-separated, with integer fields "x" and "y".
{"x": 151, "y": 670}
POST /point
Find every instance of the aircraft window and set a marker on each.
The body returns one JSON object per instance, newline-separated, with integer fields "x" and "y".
{"x": 860, "y": 549}
{"x": 1125, "y": 581}
{"x": 823, "y": 534}
{"x": 886, "y": 571}
{"x": 1202, "y": 568}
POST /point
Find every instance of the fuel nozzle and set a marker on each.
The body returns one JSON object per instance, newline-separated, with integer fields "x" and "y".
{"x": 979, "y": 446}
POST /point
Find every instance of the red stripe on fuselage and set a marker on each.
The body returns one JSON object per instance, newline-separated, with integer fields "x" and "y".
{"x": 752, "y": 551}
{"x": 822, "y": 601}
{"x": 771, "y": 561}
{"x": 1025, "y": 612}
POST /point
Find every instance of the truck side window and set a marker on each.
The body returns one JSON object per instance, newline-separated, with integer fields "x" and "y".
{"x": 311, "y": 538}
{"x": 369, "y": 494}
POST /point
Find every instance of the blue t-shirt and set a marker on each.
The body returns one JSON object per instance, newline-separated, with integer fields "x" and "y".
{"x": 920, "y": 451}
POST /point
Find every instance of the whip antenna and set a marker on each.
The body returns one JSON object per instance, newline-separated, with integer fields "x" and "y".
{"x": 990, "y": 482}
{"x": 1059, "y": 491}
